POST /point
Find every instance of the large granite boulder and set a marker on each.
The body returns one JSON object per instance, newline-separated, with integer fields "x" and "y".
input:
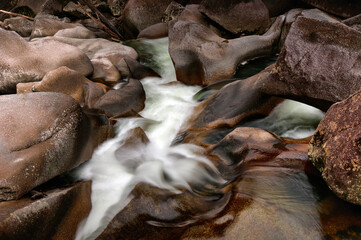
{"x": 238, "y": 16}
{"x": 201, "y": 57}
{"x": 23, "y": 61}
{"x": 49, "y": 214}
{"x": 319, "y": 64}
{"x": 67, "y": 81}
{"x": 126, "y": 101}
{"x": 42, "y": 135}
{"x": 335, "y": 148}
{"x": 140, "y": 14}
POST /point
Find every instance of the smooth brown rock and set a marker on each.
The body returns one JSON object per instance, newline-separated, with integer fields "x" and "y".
{"x": 238, "y": 16}
{"x": 102, "y": 51}
{"x": 139, "y": 71}
{"x": 67, "y": 81}
{"x": 158, "y": 30}
{"x": 201, "y": 57}
{"x": 23, "y": 61}
{"x": 335, "y": 149}
{"x": 341, "y": 8}
{"x": 319, "y": 64}
{"x": 76, "y": 32}
{"x": 55, "y": 215}
{"x": 124, "y": 102}
{"x": 231, "y": 105}
{"x": 140, "y": 14}
{"x": 21, "y": 25}
{"x": 42, "y": 136}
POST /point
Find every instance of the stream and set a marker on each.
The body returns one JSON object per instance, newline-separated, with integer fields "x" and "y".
{"x": 117, "y": 167}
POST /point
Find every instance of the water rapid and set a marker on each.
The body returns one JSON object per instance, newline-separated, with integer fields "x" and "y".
{"x": 116, "y": 167}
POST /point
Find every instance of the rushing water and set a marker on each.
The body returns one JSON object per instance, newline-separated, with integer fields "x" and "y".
{"x": 289, "y": 198}
{"x": 116, "y": 168}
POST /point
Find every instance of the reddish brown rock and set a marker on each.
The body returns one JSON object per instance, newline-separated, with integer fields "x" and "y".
{"x": 201, "y": 57}
{"x": 140, "y": 14}
{"x": 139, "y": 71}
{"x": 319, "y": 64}
{"x": 341, "y": 8}
{"x": 231, "y": 105}
{"x": 67, "y": 81}
{"x": 42, "y": 136}
{"x": 23, "y": 61}
{"x": 158, "y": 30}
{"x": 124, "y": 102}
{"x": 55, "y": 215}
{"x": 238, "y": 16}
{"x": 335, "y": 149}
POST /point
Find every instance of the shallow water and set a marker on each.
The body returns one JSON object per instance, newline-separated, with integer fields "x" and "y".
{"x": 288, "y": 202}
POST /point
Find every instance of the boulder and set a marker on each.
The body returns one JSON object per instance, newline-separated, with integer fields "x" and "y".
{"x": 201, "y": 57}
{"x": 51, "y": 214}
{"x": 67, "y": 81}
{"x": 139, "y": 71}
{"x": 42, "y": 136}
{"x": 335, "y": 148}
{"x": 124, "y": 102}
{"x": 173, "y": 11}
{"x": 48, "y": 27}
{"x": 23, "y": 61}
{"x": 76, "y": 32}
{"x": 238, "y": 16}
{"x": 319, "y": 64}
{"x": 340, "y": 8}
{"x": 140, "y": 14}
{"x": 278, "y": 7}
{"x": 231, "y": 105}
{"x": 354, "y": 22}
{"x": 158, "y": 30}
{"x": 21, "y": 25}
{"x": 102, "y": 50}
{"x": 104, "y": 70}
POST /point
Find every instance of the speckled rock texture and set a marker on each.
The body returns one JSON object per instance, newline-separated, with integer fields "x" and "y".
{"x": 54, "y": 214}
{"x": 42, "y": 136}
{"x": 335, "y": 148}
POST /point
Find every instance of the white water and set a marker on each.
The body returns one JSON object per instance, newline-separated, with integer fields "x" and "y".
{"x": 290, "y": 119}
{"x": 115, "y": 169}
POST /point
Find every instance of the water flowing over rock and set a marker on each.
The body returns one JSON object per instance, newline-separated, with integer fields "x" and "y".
{"x": 319, "y": 64}
{"x": 37, "y": 58}
{"x": 55, "y": 215}
{"x": 335, "y": 149}
{"x": 237, "y": 16}
{"x": 43, "y": 135}
{"x": 201, "y": 57}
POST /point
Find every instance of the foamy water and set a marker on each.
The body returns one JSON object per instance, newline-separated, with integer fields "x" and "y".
{"x": 115, "y": 169}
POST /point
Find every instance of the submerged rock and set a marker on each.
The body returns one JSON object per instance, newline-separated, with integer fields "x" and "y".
{"x": 335, "y": 149}
{"x": 238, "y": 16}
{"x": 42, "y": 136}
{"x": 23, "y": 61}
{"x": 319, "y": 64}
{"x": 54, "y": 214}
